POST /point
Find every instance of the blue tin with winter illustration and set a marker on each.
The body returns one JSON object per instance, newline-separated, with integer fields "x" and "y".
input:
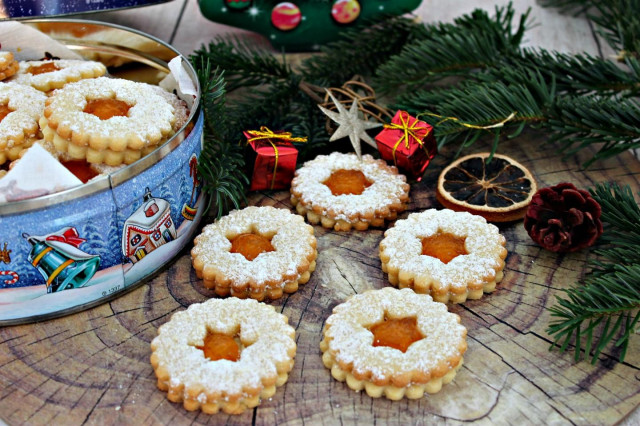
{"x": 67, "y": 251}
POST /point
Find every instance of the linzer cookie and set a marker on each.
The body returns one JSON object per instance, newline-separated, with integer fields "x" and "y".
{"x": 180, "y": 109}
{"x": 224, "y": 354}
{"x": 8, "y": 65}
{"x": 450, "y": 255}
{"x": 342, "y": 192}
{"x": 256, "y": 252}
{"x": 105, "y": 120}
{"x": 20, "y": 109}
{"x": 54, "y": 74}
{"x": 393, "y": 343}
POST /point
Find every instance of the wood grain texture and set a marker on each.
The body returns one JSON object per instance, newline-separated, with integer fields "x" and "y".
{"x": 92, "y": 367}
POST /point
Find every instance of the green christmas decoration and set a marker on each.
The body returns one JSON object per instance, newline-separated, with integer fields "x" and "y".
{"x": 302, "y": 25}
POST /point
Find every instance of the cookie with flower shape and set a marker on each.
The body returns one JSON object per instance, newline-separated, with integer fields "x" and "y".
{"x": 453, "y": 256}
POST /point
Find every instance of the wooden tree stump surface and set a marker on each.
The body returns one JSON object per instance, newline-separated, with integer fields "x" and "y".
{"x": 93, "y": 367}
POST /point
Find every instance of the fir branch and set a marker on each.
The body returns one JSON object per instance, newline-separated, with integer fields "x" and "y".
{"x": 267, "y": 105}
{"x": 473, "y": 42}
{"x": 222, "y": 167}
{"x": 360, "y": 51}
{"x": 578, "y": 122}
{"x": 619, "y": 25}
{"x": 573, "y": 122}
{"x": 575, "y": 74}
{"x": 620, "y": 214}
{"x": 245, "y": 64}
{"x": 305, "y": 118}
{"x": 212, "y": 89}
{"x": 604, "y": 308}
{"x": 221, "y": 163}
{"x": 481, "y": 105}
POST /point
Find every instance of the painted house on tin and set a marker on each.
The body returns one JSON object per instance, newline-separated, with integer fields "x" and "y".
{"x": 149, "y": 227}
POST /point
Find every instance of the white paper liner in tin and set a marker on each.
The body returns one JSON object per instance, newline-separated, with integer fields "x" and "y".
{"x": 21, "y": 182}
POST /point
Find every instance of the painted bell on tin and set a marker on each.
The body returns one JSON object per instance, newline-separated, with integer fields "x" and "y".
{"x": 58, "y": 258}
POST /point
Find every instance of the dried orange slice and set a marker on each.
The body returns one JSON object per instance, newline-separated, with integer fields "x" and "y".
{"x": 499, "y": 191}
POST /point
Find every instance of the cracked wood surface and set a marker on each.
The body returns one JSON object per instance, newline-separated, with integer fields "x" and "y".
{"x": 92, "y": 367}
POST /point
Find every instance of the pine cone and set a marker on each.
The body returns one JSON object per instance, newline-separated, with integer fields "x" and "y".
{"x": 563, "y": 218}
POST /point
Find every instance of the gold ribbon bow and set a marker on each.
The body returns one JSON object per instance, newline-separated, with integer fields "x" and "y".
{"x": 266, "y": 134}
{"x": 408, "y": 131}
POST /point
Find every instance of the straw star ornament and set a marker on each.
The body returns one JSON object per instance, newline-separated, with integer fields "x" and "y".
{"x": 350, "y": 124}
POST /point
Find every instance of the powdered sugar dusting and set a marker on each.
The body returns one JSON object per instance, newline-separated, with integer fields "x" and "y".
{"x": 292, "y": 240}
{"x": 27, "y": 104}
{"x": 403, "y": 244}
{"x": 351, "y": 342}
{"x": 388, "y": 188}
{"x": 264, "y": 333}
{"x": 180, "y": 110}
{"x": 149, "y": 117}
{"x": 69, "y": 70}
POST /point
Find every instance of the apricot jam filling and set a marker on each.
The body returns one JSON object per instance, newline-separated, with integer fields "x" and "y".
{"x": 104, "y": 109}
{"x": 397, "y": 333}
{"x": 81, "y": 169}
{"x": 444, "y": 246}
{"x": 43, "y": 69}
{"x": 220, "y": 346}
{"x": 4, "y": 111}
{"x": 251, "y": 245}
{"x": 343, "y": 182}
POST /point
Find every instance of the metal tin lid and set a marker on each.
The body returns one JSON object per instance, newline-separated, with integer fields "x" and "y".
{"x": 16, "y": 9}
{"x": 124, "y": 43}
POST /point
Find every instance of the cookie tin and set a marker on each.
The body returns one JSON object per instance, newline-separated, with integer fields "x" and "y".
{"x": 15, "y": 9}
{"x": 68, "y": 251}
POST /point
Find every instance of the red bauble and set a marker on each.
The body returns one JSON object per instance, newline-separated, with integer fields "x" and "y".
{"x": 563, "y": 218}
{"x": 286, "y": 16}
{"x": 345, "y": 11}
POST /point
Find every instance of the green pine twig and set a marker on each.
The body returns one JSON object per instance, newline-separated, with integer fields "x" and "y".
{"x": 611, "y": 124}
{"x": 360, "y": 51}
{"x": 603, "y": 309}
{"x": 473, "y": 42}
{"x": 221, "y": 163}
{"x": 244, "y": 63}
{"x": 474, "y": 104}
{"x": 574, "y": 74}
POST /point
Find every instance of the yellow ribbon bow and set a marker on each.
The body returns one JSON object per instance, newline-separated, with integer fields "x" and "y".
{"x": 266, "y": 134}
{"x": 408, "y": 131}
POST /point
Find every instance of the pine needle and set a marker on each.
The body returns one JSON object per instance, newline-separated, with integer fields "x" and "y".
{"x": 221, "y": 163}
{"x": 475, "y": 41}
{"x": 610, "y": 292}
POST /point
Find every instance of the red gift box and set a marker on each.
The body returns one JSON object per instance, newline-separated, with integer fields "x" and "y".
{"x": 273, "y": 158}
{"x": 409, "y": 143}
